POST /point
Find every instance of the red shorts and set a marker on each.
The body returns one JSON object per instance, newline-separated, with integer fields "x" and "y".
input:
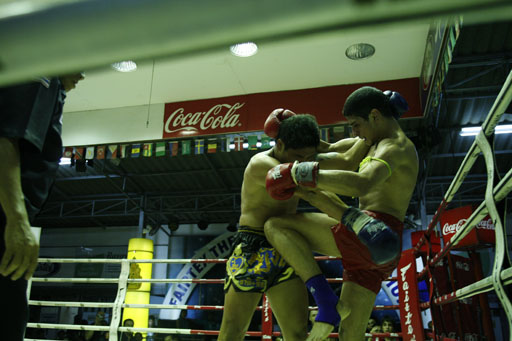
{"x": 358, "y": 266}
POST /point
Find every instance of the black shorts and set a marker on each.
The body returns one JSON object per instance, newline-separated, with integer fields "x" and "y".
{"x": 255, "y": 266}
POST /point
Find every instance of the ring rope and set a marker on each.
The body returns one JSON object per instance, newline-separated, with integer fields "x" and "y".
{"x": 137, "y": 280}
{"x": 493, "y": 194}
{"x": 500, "y": 105}
{"x": 168, "y": 261}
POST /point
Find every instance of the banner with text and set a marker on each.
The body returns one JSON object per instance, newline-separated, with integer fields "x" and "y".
{"x": 179, "y": 293}
{"x": 249, "y": 112}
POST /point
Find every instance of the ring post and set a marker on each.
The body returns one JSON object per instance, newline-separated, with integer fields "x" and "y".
{"x": 138, "y": 293}
{"x": 410, "y": 314}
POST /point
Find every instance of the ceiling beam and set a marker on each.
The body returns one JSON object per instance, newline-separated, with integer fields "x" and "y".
{"x": 142, "y": 30}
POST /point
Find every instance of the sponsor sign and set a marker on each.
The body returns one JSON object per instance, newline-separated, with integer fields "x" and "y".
{"x": 453, "y": 220}
{"x": 248, "y": 112}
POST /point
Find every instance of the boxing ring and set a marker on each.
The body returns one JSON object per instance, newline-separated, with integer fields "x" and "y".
{"x": 411, "y": 323}
{"x": 501, "y": 276}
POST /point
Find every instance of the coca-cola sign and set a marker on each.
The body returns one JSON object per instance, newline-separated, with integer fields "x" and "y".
{"x": 485, "y": 224}
{"x": 218, "y": 116}
{"x": 248, "y": 113}
{"x": 454, "y": 220}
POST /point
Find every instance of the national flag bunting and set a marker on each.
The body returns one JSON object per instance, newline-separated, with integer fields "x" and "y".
{"x": 147, "y": 150}
{"x": 100, "y": 152}
{"x": 136, "y": 150}
{"x": 173, "y": 148}
{"x": 212, "y": 146}
{"x": 68, "y": 152}
{"x": 112, "y": 151}
{"x": 123, "y": 151}
{"x": 185, "y": 147}
{"x": 79, "y": 153}
{"x": 199, "y": 146}
{"x": 224, "y": 144}
{"x": 239, "y": 143}
{"x": 253, "y": 142}
{"x": 160, "y": 149}
{"x": 324, "y": 134}
{"x": 265, "y": 142}
{"x": 89, "y": 153}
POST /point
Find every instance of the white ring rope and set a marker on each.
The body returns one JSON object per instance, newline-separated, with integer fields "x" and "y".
{"x": 493, "y": 194}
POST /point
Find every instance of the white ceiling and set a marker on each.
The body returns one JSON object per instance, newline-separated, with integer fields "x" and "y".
{"x": 308, "y": 62}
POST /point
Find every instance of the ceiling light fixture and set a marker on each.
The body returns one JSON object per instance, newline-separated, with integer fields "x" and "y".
{"x": 125, "y": 66}
{"x": 360, "y": 51}
{"x": 473, "y": 131}
{"x": 244, "y": 49}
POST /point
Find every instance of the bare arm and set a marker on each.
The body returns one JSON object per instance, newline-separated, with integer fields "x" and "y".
{"x": 327, "y": 202}
{"x": 357, "y": 184}
{"x": 340, "y": 146}
{"x": 347, "y": 160}
{"x": 21, "y": 247}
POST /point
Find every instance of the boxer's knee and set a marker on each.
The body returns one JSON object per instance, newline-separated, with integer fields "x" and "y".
{"x": 271, "y": 227}
{"x": 384, "y": 245}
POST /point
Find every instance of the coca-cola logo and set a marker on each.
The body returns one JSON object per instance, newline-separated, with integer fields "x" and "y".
{"x": 486, "y": 224}
{"x": 218, "y": 116}
{"x": 448, "y": 228}
{"x": 453, "y": 228}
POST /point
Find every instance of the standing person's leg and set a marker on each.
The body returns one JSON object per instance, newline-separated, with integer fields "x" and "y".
{"x": 295, "y": 237}
{"x": 355, "y": 312}
{"x": 289, "y": 303}
{"x": 13, "y": 295}
{"x": 238, "y": 311}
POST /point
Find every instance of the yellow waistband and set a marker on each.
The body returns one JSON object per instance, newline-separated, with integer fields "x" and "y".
{"x": 371, "y": 158}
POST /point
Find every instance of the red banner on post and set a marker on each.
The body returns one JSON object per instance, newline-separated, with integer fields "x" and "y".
{"x": 409, "y": 299}
{"x": 248, "y": 112}
{"x": 453, "y": 220}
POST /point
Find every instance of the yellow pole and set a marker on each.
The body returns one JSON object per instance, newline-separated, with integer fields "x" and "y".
{"x": 138, "y": 293}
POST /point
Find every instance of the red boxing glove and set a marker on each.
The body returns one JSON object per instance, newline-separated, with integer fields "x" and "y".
{"x": 279, "y": 183}
{"x": 271, "y": 127}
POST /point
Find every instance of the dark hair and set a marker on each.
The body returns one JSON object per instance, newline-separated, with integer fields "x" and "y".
{"x": 363, "y": 100}
{"x": 124, "y": 322}
{"x": 299, "y": 131}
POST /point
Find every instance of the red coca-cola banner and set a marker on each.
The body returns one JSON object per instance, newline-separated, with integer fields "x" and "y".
{"x": 453, "y": 220}
{"x": 248, "y": 112}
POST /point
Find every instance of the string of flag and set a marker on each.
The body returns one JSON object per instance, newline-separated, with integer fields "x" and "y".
{"x": 174, "y": 147}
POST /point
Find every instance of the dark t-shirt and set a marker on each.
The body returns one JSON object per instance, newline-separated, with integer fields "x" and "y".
{"x": 32, "y": 113}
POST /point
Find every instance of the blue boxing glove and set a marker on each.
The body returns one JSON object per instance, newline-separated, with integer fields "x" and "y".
{"x": 397, "y": 102}
{"x": 382, "y": 242}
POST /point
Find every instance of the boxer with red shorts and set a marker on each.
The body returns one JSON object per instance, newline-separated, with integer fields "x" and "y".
{"x": 358, "y": 266}
{"x": 367, "y": 238}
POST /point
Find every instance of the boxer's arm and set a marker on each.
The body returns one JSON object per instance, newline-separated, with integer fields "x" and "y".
{"x": 346, "y": 160}
{"x": 357, "y": 184}
{"x": 327, "y": 202}
{"x": 339, "y": 147}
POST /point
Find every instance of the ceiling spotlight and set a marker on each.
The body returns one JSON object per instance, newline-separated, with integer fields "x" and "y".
{"x": 244, "y": 49}
{"x": 360, "y": 51}
{"x": 173, "y": 225}
{"x": 203, "y": 224}
{"x": 126, "y": 66}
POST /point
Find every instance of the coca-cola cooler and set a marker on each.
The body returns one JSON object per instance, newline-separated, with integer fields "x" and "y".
{"x": 453, "y": 220}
